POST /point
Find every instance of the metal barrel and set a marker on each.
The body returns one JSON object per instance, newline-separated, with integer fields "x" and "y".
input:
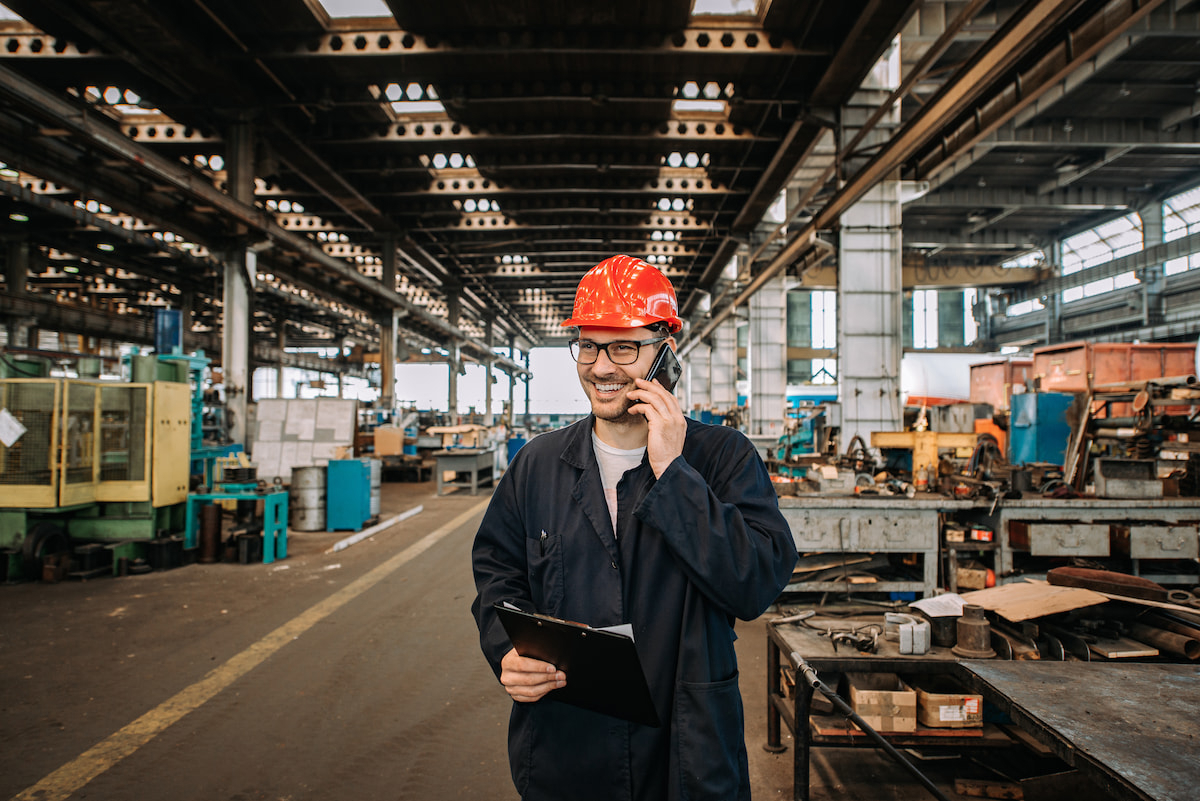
{"x": 210, "y": 532}
{"x": 376, "y": 484}
{"x": 306, "y": 499}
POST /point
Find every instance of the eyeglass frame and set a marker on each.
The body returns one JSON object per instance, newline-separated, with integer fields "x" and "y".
{"x": 603, "y": 346}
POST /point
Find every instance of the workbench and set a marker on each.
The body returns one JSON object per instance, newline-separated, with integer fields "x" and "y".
{"x": 476, "y": 463}
{"x": 1160, "y": 531}
{"x": 870, "y": 524}
{"x": 1128, "y": 727}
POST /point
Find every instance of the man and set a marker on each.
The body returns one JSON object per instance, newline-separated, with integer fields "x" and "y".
{"x": 636, "y": 515}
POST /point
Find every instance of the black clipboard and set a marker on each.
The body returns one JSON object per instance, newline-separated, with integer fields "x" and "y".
{"x": 603, "y": 671}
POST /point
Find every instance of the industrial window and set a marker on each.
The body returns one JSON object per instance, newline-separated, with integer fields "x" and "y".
{"x": 925, "y": 318}
{"x": 1032, "y": 259}
{"x": 1099, "y": 245}
{"x": 1181, "y": 217}
{"x": 824, "y": 334}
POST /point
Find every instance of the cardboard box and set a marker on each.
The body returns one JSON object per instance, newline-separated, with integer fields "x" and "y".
{"x": 942, "y": 704}
{"x": 389, "y": 441}
{"x": 971, "y": 576}
{"x": 467, "y": 435}
{"x": 883, "y": 700}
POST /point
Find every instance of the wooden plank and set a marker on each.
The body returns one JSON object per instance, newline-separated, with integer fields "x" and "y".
{"x": 1121, "y": 648}
{"x": 1025, "y": 601}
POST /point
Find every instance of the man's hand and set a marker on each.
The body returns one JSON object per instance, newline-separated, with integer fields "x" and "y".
{"x": 668, "y": 426}
{"x": 528, "y": 680}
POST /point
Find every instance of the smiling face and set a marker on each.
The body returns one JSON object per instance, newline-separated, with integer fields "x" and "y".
{"x": 608, "y": 385}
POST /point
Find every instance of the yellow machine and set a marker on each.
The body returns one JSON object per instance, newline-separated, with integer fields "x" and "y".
{"x": 925, "y": 445}
{"x": 93, "y": 461}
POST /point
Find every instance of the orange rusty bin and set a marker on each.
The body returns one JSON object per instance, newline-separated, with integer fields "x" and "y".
{"x": 993, "y": 382}
{"x": 1076, "y": 366}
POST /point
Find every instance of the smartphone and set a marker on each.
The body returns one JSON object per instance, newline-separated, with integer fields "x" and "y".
{"x": 666, "y": 368}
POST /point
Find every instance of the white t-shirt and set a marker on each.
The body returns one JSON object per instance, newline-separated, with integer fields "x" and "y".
{"x": 613, "y": 464}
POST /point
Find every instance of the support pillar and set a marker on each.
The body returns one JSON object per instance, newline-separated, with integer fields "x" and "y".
{"x": 768, "y": 359}
{"x": 699, "y": 377}
{"x": 870, "y": 318}
{"x": 281, "y": 340}
{"x": 187, "y": 314}
{"x": 725, "y": 365}
{"x": 16, "y": 278}
{"x": 488, "y": 379}
{"x": 512, "y": 383}
{"x": 454, "y": 311}
{"x": 1153, "y": 279}
{"x": 526, "y": 382}
{"x": 388, "y": 325}
{"x": 240, "y": 269}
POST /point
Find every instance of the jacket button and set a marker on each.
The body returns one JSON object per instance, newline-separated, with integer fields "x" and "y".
{"x": 614, "y": 565}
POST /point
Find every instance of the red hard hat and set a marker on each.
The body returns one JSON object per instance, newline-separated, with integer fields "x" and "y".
{"x": 624, "y": 292}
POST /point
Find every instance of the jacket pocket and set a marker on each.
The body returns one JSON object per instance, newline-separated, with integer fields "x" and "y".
{"x": 544, "y": 557}
{"x": 712, "y": 746}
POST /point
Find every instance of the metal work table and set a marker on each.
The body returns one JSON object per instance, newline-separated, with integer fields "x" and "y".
{"x": 818, "y": 652}
{"x": 1129, "y": 727}
{"x": 1159, "y": 528}
{"x": 478, "y": 463}
{"x": 275, "y": 518}
{"x": 870, "y": 524}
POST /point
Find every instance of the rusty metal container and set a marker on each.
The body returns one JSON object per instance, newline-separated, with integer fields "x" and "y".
{"x": 1076, "y": 366}
{"x": 993, "y": 382}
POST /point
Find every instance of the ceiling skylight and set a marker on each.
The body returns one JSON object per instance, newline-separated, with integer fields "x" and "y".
{"x": 344, "y": 9}
{"x": 707, "y": 7}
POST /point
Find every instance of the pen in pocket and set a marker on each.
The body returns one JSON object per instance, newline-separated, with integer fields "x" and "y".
{"x": 542, "y": 542}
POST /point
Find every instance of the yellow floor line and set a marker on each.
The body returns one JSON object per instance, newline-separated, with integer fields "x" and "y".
{"x": 96, "y": 760}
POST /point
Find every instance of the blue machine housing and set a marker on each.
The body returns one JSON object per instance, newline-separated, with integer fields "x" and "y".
{"x": 1039, "y": 429}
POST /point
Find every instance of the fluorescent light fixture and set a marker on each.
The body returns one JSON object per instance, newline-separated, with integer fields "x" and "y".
{"x": 17, "y": 216}
{"x": 717, "y": 106}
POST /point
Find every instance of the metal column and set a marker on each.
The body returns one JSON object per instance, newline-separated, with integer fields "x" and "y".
{"x": 488, "y": 337}
{"x": 768, "y": 359}
{"x": 240, "y": 269}
{"x": 16, "y": 277}
{"x": 454, "y": 310}
{"x": 699, "y": 377}
{"x": 1153, "y": 279}
{"x": 387, "y": 331}
{"x": 724, "y": 365}
{"x": 870, "y": 314}
{"x": 281, "y": 338}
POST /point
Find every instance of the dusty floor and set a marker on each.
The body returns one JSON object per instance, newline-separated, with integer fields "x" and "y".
{"x": 346, "y": 675}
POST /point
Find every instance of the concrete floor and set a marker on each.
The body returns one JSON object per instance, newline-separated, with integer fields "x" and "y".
{"x": 348, "y": 675}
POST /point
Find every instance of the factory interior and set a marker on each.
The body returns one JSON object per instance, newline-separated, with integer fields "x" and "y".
{"x": 283, "y": 293}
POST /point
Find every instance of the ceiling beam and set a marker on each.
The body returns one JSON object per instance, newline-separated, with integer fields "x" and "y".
{"x": 19, "y": 89}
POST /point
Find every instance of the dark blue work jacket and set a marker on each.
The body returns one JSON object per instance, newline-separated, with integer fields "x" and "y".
{"x": 700, "y": 546}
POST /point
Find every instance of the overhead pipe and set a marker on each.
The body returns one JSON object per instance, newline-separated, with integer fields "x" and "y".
{"x": 70, "y": 116}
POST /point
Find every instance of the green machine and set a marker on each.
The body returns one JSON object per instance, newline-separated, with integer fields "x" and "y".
{"x": 98, "y": 470}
